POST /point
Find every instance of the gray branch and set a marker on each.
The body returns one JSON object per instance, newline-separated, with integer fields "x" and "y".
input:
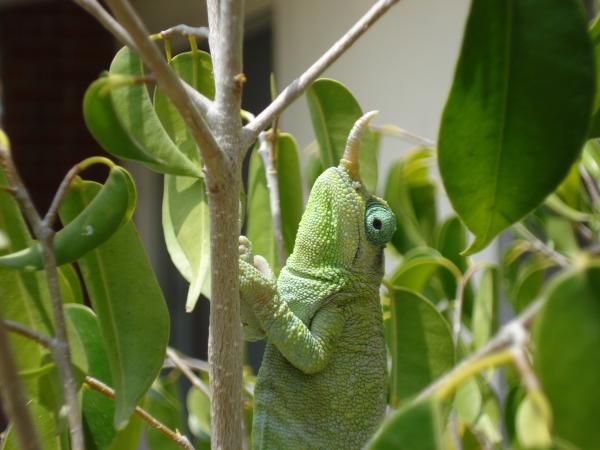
{"x": 300, "y": 84}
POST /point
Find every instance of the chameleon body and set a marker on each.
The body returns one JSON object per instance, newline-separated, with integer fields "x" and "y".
{"x": 321, "y": 384}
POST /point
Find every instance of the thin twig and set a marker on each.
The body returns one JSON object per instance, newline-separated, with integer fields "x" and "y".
{"x": 540, "y": 246}
{"x": 401, "y": 133}
{"x": 95, "y": 9}
{"x": 62, "y": 357}
{"x": 93, "y": 383}
{"x": 50, "y": 216}
{"x": 168, "y": 80}
{"x": 528, "y": 376}
{"x": 497, "y": 349}
{"x": 458, "y": 303}
{"x": 591, "y": 187}
{"x": 13, "y": 398}
{"x": 300, "y": 84}
{"x": 185, "y": 369}
{"x": 180, "y": 440}
{"x": 266, "y": 151}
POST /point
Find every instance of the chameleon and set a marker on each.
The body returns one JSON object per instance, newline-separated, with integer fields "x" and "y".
{"x": 322, "y": 381}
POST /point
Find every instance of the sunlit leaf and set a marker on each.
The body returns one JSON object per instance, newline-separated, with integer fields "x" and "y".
{"x": 518, "y": 110}
{"x": 333, "y": 111}
{"x": 422, "y": 347}
{"x": 417, "y": 426}
{"x": 485, "y": 308}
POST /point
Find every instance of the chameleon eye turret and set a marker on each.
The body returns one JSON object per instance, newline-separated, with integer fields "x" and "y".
{"x": 350, "y": 159}
{"x": 380, "y": 223}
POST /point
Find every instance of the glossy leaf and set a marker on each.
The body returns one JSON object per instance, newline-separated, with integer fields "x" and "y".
{"x": 519, "y": 106}
{"x": 314, "y": 166}
{"x": 259, "y": 223}
{"x": 24, "y": 295}
{"x": 422, "y": 347}
{"x": 97, "y": 410}
{"x": 485, "y": 308}
{"x": 186, "y": 223}
{"x": 135, "y": 112}
{"x": 186, "y": 228}
{"x": 411, "y": 194}
{"x": 419, "y": 267}
{"x": 70, "y": 286}
{"x": 414, "y": 427}
{"x": 333, "y": 111}
{"x": 290, "y": 188}
{"x": 43, "y": 420}
{"x": 594, "y": 32}
{"x": 132, "y": 313}
{"x": 566, "y": 337}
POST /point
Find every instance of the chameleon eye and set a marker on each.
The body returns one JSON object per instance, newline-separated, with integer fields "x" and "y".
{"x": 380, "y": 223}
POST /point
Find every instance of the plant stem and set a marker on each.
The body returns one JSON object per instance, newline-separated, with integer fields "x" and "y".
{"x": 62, "y": 357}
{"x": 185, "y": 31}
{"x": 297, "y": 87}
{"x": 540, "y": 246}
{"x": 591, "y": 187}
{"x": 184, "y": 368}
{"x": 509, "y": 335}
{"x": 180, "y": 440}
{"x": 167, "y": 79}
{"x": 93, "y": 383}
{"x": 458, "y": 304}
{"x": 266, "y": 150}
{"x": 13, "y": 398}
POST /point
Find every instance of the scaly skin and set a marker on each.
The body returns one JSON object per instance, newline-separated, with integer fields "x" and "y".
{"x": 321, "y": 384}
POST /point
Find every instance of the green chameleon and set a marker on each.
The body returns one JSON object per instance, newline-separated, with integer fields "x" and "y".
{"x": 321, "y": 384}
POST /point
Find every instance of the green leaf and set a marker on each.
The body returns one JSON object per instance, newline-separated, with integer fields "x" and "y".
{"x": 186, "y": 222}
{"x": 468, "y": 401}
{"x": 97, "y": 410}
{"x": 195, "y": 68}
{"x": 163, "y": 402}
{"x": 44, "y": 422}
{"x": 333, "y": 111}
{"x": 591, "y": 157}
{"x": 417, "y": 426}
{"x": 566, "y": 338}
{"x": 532, "y": 424}
{"x": 485, "y": 308}
{"x": 411, "y": 194}
{"x": 186, "y": 228}
{"x": 419, "y": 267}
{"x": 70, "y": 287}
{"x": 199, "y": 414}
{"x": 290, "y": 188}
{"x": 594, "y": 32}
{"x": 259, "y": 223}
{"x": 529, "y": 281}
{"x": 132, "y": 314}
{"x": 24, "y": 295}
{"x": 134, "y": 110}
{"x": 314, "y": 166}
{"x": 518, "y": 110}
{"x": 422, "y": 347}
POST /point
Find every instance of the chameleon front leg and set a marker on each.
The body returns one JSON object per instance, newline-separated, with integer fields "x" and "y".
{"x": 309, "y": 349}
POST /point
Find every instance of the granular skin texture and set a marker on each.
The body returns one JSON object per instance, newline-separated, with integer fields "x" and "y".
{"x": 321, "y": 384}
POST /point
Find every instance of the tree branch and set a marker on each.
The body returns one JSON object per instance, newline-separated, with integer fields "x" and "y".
{"x": 300, "y": 84}
{"x": 184, "y": 368}
{"x": 180, "y": 440}
{"x": 13, "y": 398}
{"x": 95, "y": 9}
{"x": 266, "y": 150}
{"x": 62, "y": 357}
{"x": 496, "y": 351}
{"x": 226, "y": 34}
{"x": 92, "y": 383}
{"x": 168, "y": 80}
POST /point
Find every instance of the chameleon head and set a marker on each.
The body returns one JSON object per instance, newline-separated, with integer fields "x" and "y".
{"x": 344, "y": 226}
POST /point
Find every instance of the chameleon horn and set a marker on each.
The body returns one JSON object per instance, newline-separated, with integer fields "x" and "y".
{"x": 350, "y": 158}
